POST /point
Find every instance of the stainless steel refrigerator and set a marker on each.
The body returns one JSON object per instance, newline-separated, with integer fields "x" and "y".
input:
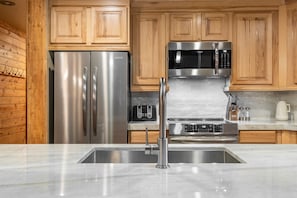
{"x": 91, "y": 97}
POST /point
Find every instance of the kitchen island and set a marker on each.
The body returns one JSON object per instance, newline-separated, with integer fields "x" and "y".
{"x": 53, "y": 171}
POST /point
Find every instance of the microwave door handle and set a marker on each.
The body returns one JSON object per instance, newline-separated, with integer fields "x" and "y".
{"x": 200, "y": 58}
{"x": 216, "y": 61}
{"x": 178, "y": 57}
{"x": 222, "y": 60}
{"x": 228, "y": 60}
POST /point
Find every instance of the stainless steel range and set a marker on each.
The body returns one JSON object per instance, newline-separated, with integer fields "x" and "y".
{"x": 202, "y": 130}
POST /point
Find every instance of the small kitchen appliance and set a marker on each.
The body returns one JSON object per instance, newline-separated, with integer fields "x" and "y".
{"x": 199, "y": 59}
{"x": 144, "y": 113}
{"x": 282, "y": 110}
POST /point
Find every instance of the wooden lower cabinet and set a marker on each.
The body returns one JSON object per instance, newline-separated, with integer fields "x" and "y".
{"x": 138, "y": 137}
{"x": 268, "y": 137}
{"x": 287, "y": 137}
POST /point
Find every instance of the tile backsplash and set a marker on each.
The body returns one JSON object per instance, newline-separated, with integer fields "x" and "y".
{"x": 263, "y": 104}
{"x": 206, "y": 98}
{"x": 192, "y": 98}
{"x": 189, "y": 98}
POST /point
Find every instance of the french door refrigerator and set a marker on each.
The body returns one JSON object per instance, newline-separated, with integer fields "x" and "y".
{"x": 91, "y": 97}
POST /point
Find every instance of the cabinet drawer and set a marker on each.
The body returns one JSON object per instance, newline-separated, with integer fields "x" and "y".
{"x": 258, "y": 137}
{"x": 138, "y": 137}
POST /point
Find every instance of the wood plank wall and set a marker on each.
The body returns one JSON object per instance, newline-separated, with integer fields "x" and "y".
{"x": 12, "y": 85}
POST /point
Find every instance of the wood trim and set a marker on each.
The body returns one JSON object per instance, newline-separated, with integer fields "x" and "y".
{"x": 279, "y": 137}
{"x": 216, "y": 4}
{"x": 290, "y": 78}
{"x": 74, "y": 47}
{"x": 37, "y": 120}
{"x": 282, "y": 50}
{"x": 199, "y": 9}
{"x": 89, "y": 2}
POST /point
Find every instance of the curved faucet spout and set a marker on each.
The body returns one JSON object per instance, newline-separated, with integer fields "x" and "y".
{"x": 162, "y": 141}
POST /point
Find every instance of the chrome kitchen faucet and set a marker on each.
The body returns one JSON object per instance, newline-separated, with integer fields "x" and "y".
{"x": 163, "y": 140}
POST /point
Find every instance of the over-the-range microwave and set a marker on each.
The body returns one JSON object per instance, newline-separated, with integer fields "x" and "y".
{"x": 199, "y": 59}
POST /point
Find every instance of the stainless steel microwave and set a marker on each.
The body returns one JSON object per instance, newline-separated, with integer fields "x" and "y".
{"x": 199, "y": 59}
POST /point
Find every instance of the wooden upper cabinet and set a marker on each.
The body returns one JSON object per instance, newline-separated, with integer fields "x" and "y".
{"x": 185, "y": 27}
{"x": 109, "y": 25}
{"x": 215, "y": 26}
{"x": 68, "y": 25}
{"x": 89, "y": 24}
{"x": 253, "y": 49}
{"x": 149, "y": 48}
{"x": 292, "y": 50}
{"x": 199, "y": 26}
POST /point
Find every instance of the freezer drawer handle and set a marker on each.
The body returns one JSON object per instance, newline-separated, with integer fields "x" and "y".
{"x": 84, "y": 100}
{"x": 95, "y": 101}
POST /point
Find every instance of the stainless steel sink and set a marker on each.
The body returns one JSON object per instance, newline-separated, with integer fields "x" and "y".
{"x": 205, "y": 155}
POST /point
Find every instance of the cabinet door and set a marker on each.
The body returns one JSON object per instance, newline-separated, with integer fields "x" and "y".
{"x": 292, "y": 49}
{"x": 109, "y": 24}
{"x": 215, "y": 26}
{"x": 148, "y": 51}
{"x": 185, "y": 27}
{"x": 68, "y": 25}
{"x": 252, "y": 49}
{"x": 288, "y": 137}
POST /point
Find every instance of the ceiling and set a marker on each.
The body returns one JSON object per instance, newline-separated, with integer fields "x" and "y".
{"x": 16, "y": 16}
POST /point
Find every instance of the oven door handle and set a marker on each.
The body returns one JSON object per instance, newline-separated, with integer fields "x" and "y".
{"x": 204, "y": 139}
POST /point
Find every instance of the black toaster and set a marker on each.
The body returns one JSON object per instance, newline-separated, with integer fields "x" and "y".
{"x": 144, "y": 113}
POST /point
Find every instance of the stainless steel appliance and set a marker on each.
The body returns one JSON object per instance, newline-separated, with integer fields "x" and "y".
{"x": 144, "y": 113}
{"x": 91, "y": 97}
{"x": 199, "y": 59}
{"x": 202, "y": 130}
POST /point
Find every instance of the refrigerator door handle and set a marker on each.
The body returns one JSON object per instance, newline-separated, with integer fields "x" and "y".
{"x": 94, "y": 97}
{"x": 84, "y": 99}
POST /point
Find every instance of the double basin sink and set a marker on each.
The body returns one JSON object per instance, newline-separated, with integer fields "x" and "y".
{"x": 175, "y": 155}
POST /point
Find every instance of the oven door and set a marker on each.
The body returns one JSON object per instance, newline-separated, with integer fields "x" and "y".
{"x": 203, "y": 139}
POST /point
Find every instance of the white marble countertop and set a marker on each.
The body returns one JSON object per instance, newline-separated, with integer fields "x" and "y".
{"x": 45, "y": 171}
{"x": 259, "y": 124}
